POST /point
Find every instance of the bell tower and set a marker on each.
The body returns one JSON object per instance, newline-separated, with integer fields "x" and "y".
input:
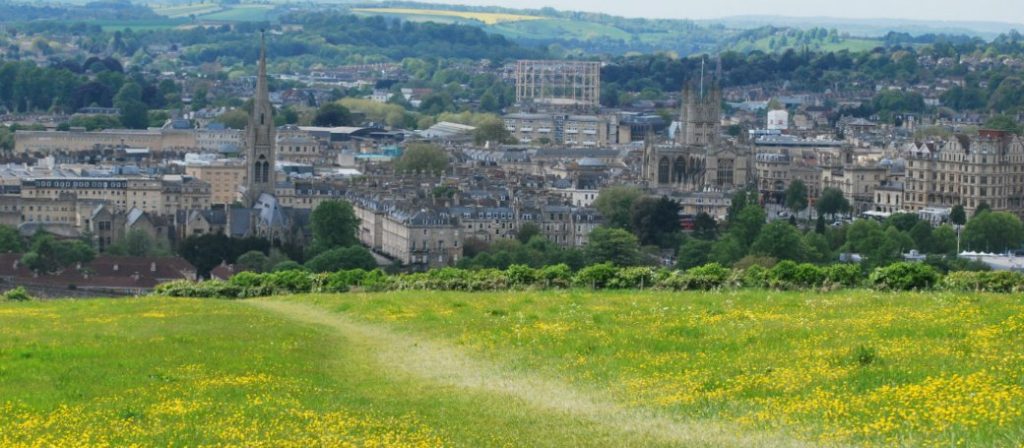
{"x": 259, "y": 136}
{"x": 701, "y": 114}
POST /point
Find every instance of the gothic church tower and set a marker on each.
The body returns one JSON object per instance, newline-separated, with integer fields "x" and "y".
{"x": 259, "y": 137}
{"x": 701, "y": 114}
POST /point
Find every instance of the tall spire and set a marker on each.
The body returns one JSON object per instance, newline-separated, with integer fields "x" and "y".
{"x": 702, "y": 77}
{"x": 259, "y": 135}
{"x": 262, "y": 92}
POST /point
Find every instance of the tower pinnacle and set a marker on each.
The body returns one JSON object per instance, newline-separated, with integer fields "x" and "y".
{"x": 259, "y": 135}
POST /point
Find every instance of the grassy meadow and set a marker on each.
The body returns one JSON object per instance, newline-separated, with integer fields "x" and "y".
{"x": 551, "y": 368}
{"x": 487, "y": 18}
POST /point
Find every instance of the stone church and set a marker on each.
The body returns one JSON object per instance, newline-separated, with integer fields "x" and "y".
{"x": 267, "y": 217}
{"x": 698, "y": 159}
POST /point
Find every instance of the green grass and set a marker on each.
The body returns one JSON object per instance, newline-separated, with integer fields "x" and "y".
{"x": 553, "y": 368}
{"x": 138, "y": 25}
{"x": 851, "y": 44}
{"x": 559, "y": 29}
{"x": 243, "y": 13}
{"x": 179, "y": 11}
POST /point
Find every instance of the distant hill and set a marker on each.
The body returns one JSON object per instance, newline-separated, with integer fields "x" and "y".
{"x": 586, "y": 32}
{"x": 872, "y": 27}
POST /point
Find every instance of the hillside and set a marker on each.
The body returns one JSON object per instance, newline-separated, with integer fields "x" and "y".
{"x": 555, "y": 368}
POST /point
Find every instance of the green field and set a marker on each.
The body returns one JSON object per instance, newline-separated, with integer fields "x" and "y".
{"x": 138, "y": 25}
{"x": 850, "y": 44}
{"x": 184, "y": 11}
{"x": 243, "y": 13}
{"x": 558, "y": 29}
{"x": 553, "y": 368}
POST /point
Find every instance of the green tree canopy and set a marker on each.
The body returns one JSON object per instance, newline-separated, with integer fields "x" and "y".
{"x": 493, "y": 130}
{"x": 1003, "y": 122}
{"x": 779, "y": 240}
{"x": 334, "y": 225}
{"x": 10, "y": 240}
{"x": 993, "y": 232}
{"x": 615, "y": 245}
{"x": 696, "y": 252}
{"x": 796, "y": 195}
{"x": 615, "y": 204}
{"x": 134, "y": 112}
{"x": 832, "y": 201}
{"x": 332, "y": 114}
{"x": 527, "y": 231}
{"x": 252, "y": 261}
{"x": 50, "y": 255}
{"x": 704, "y": 226}
{"x": 655, "y": 221}
{"x": 747, "y": 224}
{"x": 957, "y": 215}
{"x": 422, "y": 158}
{"x": 342, "y": 258}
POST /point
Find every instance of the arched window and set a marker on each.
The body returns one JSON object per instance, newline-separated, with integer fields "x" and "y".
{"x": 678, "y": 170}
{"x": 259, "y": 170}
{"x": 663, "y": 176}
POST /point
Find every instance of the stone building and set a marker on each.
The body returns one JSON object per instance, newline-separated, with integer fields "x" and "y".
{"x": 698, "y": 159}
{"x": 224, "y": 176}
{"x": 967, "y": 171}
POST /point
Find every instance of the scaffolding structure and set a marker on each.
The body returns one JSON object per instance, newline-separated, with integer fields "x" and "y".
{"x": 559, "y": 83}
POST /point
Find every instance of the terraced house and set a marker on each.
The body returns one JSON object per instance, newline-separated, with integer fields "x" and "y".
{"x": 968, "y": 171}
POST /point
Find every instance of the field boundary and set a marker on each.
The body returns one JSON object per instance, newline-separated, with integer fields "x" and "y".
{"x": 422, "y": 359}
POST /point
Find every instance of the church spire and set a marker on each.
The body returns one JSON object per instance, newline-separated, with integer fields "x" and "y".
{"x": 259, "y": 135}
{"x": 262, "y": 92}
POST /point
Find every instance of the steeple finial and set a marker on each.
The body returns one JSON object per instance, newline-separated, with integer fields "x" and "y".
{"x": 701, "y": 77}
{"x": 718, "y": 68}
{"x": 263, "y": 54}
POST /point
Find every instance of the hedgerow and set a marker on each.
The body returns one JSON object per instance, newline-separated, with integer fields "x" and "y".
{"x": 786, "y": 275}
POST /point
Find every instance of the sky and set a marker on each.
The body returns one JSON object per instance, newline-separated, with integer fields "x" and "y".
{"x": 1011, "y": 11}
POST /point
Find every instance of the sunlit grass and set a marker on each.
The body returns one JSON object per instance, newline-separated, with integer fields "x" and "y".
{"x": 485, "y": 17}
{"x": 860, "y": 367}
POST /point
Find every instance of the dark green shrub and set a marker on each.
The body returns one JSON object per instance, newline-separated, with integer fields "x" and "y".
{"x": 842, "y": 275}
{"x": 864, "y": 355}
{"x": 709, "y": 276}
{"x": 808, "y": 275}
{"x": 449, "y": 279}
{"x": 488, "y": 280}
{"x": 206, "y": 289}
{"x": 755, "y": 276}
{"x": 783, "y": 275}
{"x": 252, "y": 284}
{"x": 595, "y": 276}
{"x": 903, "y": 276}
{"x": 339, "y": 281}
{"x": 290, "y": 282}
{"x": 375, "y": 280}
{"x": 521, "y": 275}
{"x": 287, "y": 265}
{"x": 990, "y": 281}
{"x": 635, "y": 277}
{"x": 556, "y": 276}
{"x": 18, "y": 294}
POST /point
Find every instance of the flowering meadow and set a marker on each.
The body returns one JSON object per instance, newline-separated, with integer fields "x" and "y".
{"x": 841, "y": 368}
{"x": 424, "y": 369}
